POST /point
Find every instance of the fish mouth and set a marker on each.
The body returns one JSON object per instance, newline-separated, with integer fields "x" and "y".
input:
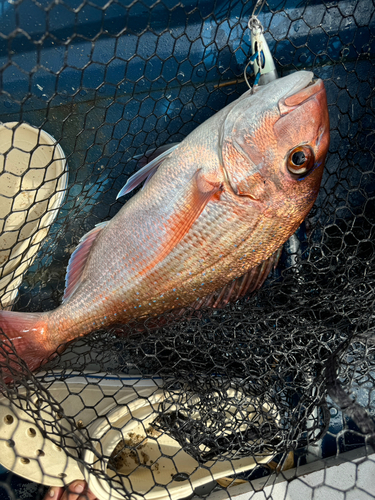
{"x": 300, "y": 95}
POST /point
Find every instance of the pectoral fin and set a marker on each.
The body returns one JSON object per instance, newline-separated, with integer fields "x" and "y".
{"x": 200, "y": 191}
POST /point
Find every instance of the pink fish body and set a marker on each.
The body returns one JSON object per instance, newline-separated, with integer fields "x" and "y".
{"x": 218, "y": 205}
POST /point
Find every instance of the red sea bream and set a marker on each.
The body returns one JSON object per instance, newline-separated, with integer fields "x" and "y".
{"x": 207, "y": 225}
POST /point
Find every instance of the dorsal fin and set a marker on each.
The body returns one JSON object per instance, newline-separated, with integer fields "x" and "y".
{"x": 78, "y": 260}
{"x": 149, "y": 169}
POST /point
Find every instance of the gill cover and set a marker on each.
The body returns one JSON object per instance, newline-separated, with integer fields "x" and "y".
{"x": 246, "y": 136}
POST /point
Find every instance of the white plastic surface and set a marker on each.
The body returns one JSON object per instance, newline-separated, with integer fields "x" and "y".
{"x": 348, "y": 477}
{"x": 151, "y": 465}
{"x": 33, "y": 180}
{"x": 25, "y": 451}
{"x": 111, "y": 413}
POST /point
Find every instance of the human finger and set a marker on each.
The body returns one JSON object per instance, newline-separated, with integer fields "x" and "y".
{"x": 75, "y": 491}
{"x": 54, "y": 493}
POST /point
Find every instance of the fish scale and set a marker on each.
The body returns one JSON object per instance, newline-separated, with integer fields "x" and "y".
{"x": 207, "y": 226}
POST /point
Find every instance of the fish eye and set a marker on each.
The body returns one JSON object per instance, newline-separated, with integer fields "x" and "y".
{"x": 300, "y": 160}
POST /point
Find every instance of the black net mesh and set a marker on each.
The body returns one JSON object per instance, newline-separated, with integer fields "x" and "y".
{"x": 220, "y": 402}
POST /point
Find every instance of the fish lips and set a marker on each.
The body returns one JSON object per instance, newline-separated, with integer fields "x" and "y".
{"x": 292, "y": 101}
{"x": 309, "y": 101}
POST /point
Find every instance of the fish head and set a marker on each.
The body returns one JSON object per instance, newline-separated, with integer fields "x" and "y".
{"x": 273, "y": 145}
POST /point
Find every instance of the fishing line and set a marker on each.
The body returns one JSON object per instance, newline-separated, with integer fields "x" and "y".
{"x": 259, "y": 5}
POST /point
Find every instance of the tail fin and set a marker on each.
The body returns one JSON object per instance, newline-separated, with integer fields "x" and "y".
{"x": 23, "y": 339}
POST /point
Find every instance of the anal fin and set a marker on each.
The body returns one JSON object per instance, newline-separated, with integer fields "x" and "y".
{"x": 241, "y": 286}
{"x": 78, "y": 260}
